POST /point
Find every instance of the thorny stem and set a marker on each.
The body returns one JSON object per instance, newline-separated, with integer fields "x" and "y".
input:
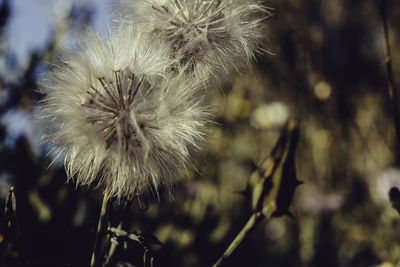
{"x": 96, "y": 254}
{"x": 393, "y": 94}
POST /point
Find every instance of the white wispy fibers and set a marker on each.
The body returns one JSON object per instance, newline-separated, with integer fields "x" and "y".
{"x": 117, "y": 119}
{"x": 208, "y": 38}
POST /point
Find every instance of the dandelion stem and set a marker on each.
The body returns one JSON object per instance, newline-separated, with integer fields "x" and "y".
{"x": 95, "y": 261}
{"x": 393, "y": 93}
{"x": 254, "y": 220}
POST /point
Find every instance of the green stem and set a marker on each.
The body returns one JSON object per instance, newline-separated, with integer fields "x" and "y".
{"x": 254, "y": 220}
{"x": 96, "y": 260}
{"x": 393, "y": 93}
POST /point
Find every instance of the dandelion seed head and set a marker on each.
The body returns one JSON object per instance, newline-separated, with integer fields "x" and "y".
{"x": 208, "y": 38}
{"x": 117, "y": 119}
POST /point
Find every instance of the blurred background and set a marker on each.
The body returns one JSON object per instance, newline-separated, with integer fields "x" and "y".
{"x": 325, "y": 67}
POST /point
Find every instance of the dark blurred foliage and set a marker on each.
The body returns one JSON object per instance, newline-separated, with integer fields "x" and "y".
{"x": 326, "y": 68}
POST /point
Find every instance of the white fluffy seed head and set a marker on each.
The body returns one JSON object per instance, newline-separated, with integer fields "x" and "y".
{"x": 207, "y": 38}
{"x": 117, "y": 119}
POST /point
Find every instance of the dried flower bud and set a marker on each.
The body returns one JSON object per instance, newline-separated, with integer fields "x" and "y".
{"x": 207, "y": 38}
{"x": 116, "y": 117}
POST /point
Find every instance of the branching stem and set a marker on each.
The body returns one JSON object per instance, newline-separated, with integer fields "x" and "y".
{"x": 113, "y": 245}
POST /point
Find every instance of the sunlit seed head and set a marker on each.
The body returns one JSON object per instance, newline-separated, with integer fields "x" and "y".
{"x": 207, "y": 38}
{"x": 111, "y": 107}
{"x": 116, "y": 117}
